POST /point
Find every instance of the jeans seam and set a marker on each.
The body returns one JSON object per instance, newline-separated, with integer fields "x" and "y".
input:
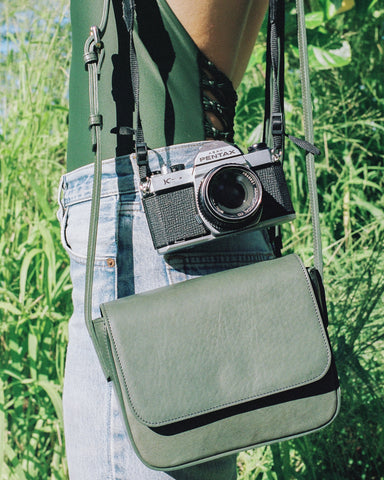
{"x": 117, "y": 237}
{"x": 111, "y": 459}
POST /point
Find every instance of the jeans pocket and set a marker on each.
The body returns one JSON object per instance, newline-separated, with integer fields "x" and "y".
{"x": 74, "y": 237}
{"x": 75, "y": 230}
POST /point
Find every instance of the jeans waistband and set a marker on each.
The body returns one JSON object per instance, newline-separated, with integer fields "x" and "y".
{"x": 119, "y": 175}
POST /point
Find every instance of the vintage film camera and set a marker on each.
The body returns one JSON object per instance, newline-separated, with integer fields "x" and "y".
{"x": 225, "y": 192}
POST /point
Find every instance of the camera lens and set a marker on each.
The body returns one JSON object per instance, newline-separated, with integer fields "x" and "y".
{"x": 227, "y": 191}
{"x": 230, "y": 196}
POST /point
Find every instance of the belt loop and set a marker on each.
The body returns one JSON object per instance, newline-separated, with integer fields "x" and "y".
{"x": 60, "y": 193}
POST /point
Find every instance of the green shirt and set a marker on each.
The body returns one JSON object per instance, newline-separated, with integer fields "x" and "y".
{"x": 170, "y": 94}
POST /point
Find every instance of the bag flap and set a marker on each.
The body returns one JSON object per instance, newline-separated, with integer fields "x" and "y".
{"x": 245, "y": 333}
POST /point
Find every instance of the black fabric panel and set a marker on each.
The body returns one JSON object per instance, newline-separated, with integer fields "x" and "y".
{"x": 326, "y": 384}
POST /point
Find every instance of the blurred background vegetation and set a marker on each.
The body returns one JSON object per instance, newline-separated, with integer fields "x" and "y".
{"x": 346, "y": 59}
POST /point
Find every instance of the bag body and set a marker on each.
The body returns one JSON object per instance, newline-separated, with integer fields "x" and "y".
{"x": 215, "y": 365}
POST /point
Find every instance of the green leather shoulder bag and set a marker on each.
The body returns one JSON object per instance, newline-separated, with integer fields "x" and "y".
{"x": 246, "y": 365}
{"x": 249, "y": 363}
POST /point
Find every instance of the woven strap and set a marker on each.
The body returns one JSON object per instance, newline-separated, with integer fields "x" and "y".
{"x": 309, "y": 137}
{"x": 274, "y": 80}
{"x": 140, "y": 145}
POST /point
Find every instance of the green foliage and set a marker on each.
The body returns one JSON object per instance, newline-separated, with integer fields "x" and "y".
{"x": 346, "y": 59}
{"x": 34, "y": 273}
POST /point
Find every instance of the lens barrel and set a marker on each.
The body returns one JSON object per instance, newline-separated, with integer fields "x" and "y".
{"x": 230, "y": 197}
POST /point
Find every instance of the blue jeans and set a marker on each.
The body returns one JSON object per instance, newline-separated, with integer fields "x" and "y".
{"x": 97, "y": 445}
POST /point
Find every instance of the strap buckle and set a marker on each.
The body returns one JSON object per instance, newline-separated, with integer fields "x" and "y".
{"x": 277, "y": 124}
{"x": 141, "y": 154}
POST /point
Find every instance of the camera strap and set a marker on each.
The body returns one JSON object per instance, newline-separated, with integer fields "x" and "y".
{"x": 274, "y": 122}
{"x": 274, "y": 78}
{"x": 140, "y": 145}
{"x": 93, "y": 58}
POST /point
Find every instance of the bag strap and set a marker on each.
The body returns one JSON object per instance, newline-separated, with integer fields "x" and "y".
{"x": 309, "y": 136}
{"x": 93, "y": 58}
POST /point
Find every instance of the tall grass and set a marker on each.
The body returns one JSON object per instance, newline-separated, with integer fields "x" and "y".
{"x": 34, "y": 278}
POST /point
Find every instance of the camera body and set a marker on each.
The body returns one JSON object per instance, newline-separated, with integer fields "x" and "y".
{"x": 225, "y": 192}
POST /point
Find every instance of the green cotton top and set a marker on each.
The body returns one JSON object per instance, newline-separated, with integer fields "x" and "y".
{"x": 170, "y": 98}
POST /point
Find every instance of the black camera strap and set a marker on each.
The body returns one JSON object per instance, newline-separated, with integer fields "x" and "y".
{"x": 140, "y": 145}
{"x": 273, "y": 134}
{"x": 274, "y": 121}
{"x": 93, "y": 58}
{"x": 274, "y": 78}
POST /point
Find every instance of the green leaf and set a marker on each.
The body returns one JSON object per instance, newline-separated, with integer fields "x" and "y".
{"x": 16, "y": 467}
{"x": 52, "y": 391}
{"x": 32, "y": 354}
{"x": 314, "y": 19}
{"x": 2, "y": 429}
{"x": 24, "y": 270}
{"x": 330, "y": 7}
{"x": 322, "y": 59}
{"x": 8, "y": 307}
{"x": 375, "y": 211}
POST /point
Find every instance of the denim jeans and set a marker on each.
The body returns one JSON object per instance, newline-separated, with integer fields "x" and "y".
{"x": 97, "y": 445}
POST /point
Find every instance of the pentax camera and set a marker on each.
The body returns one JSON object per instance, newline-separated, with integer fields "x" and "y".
{"x": 225, "y": 192}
